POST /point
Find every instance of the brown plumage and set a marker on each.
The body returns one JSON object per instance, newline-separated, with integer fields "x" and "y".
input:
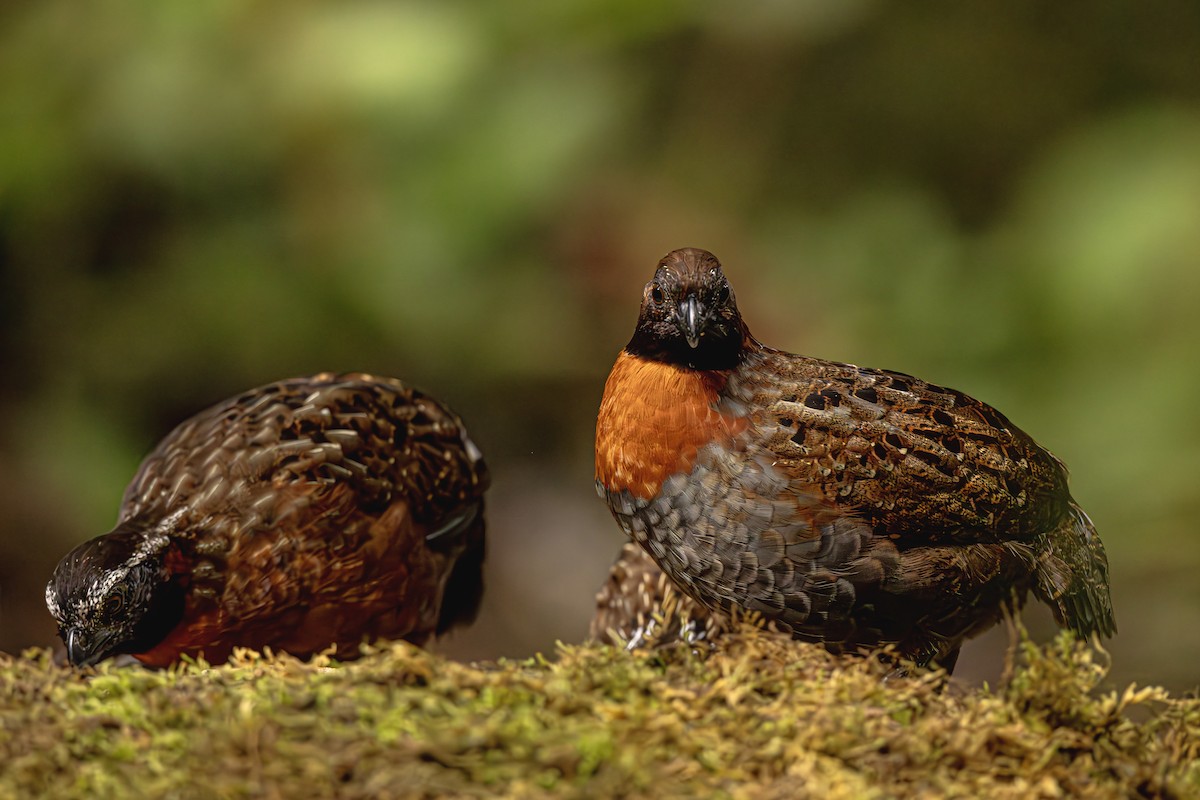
{"x": 856, "y": 507}
{"x": 307, "y": 513}
{"x": 639, "y": 606}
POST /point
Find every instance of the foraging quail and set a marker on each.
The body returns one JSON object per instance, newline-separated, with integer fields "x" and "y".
{"x": 307, "y": 513}
{"x": 856, "y": 507}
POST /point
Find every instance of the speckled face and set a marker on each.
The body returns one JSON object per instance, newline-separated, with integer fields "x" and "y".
{"x": 689, "y": 316}
{"x": 104, "y": 592}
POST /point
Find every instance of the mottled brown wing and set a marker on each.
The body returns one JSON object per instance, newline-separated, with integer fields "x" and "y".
{"x": 932, "y": 471}
{"x": 913, "y": 458}
{"x": 374, "y": 434}
{"x": 344, "y": 576}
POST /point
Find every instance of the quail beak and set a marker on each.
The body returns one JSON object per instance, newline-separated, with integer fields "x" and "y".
{"x": 690, "y": 318}
{"x": 84, "y": 651}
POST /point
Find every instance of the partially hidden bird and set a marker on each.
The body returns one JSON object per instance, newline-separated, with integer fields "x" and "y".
{"x": 310, "y": 513}
{"x": 639, "y": 606}
{"x": 850, "y": 506}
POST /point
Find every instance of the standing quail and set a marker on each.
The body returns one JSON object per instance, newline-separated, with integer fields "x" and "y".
{"x": 307, "y": 513}
{"x": 855, "y": 507}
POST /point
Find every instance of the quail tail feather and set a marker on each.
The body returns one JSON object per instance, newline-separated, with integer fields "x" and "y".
{"x": 464, "y": 587}
{"x": 1072, "y": 576}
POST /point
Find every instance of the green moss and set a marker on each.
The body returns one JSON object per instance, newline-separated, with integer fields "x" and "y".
{"x": 760, "y": 717}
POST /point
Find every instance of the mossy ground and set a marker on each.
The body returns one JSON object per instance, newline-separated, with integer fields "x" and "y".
{"x": 759, "y": 717}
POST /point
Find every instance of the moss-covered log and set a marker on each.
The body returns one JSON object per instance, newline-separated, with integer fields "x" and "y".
{"x": 760, "y": 717}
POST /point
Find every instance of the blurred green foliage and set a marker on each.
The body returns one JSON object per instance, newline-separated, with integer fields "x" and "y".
{"x": 200, "y": 197}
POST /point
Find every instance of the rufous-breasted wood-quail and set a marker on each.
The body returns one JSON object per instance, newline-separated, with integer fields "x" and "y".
{"x": 307, "y": 513}
{"x": 856, "y": 507}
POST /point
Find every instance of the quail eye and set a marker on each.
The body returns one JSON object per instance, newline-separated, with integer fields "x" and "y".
{"x": 656, "y": 295}
{"x": 113, "y": 604}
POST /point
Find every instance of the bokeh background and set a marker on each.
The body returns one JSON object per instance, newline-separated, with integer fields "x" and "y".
{"x": 200, "y": 197}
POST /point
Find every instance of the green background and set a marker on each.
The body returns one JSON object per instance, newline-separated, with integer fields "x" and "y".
{"x": 199, "y": 197}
